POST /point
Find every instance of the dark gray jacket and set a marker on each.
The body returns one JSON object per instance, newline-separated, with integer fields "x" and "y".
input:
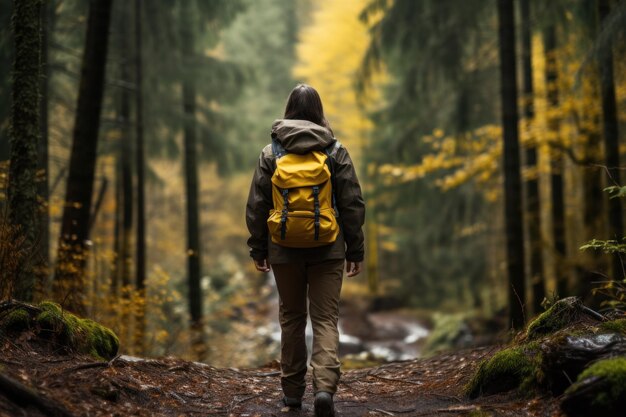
{"x": 299, "y": 137}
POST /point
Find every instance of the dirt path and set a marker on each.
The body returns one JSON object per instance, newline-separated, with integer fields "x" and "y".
{"x": 173, "y": 387}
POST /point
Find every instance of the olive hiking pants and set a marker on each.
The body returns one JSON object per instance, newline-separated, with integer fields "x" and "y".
{"x": 320, "y": 283}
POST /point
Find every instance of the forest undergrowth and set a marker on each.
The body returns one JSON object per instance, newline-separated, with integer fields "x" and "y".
{"x": 78, "y": 385}
{"x": 42, "y": 374}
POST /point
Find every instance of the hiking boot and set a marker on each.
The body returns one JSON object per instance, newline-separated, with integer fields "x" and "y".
{"x": 292, "y": 402}
{"x": 324, "y": 406}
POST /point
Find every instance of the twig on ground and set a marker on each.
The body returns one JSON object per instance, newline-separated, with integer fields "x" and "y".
{"x": 177, "y": 397}
{"x": 233, "y": 404}
{"x": 593, "y": 313}
{"x": 57, "y": 360}
{"x": 110, "y": 363}
{"x": 388, "y": 413}
{"x": 448, "y": 397}
{"x": 11, "y": 362}
{"x": 265, "y": 374}
{"x": 243, "y": 400}
{"x": 404, "y": 381}
{"x": 90, "y": 365}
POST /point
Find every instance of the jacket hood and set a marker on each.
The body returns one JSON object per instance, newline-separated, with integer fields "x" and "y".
{"x": 301, "y": 136}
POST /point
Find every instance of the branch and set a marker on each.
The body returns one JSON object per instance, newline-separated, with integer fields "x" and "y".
{"x": 98, "y": 204}
{"x": 570, "y": 153}
{"x": 58, "y": 178}
{"x": 88, "y": 365}
{"x": 593, "y": 313}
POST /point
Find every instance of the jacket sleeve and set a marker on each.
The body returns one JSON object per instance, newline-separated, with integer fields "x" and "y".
{"x": 350, "y": 204}
{"x": 258, "y": 208}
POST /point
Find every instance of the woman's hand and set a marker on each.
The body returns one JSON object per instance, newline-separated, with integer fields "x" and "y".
{"x": 353, "y": 268}
{"x": 261, "y": 265}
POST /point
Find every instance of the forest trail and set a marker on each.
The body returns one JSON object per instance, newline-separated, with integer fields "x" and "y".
{"x": 128, "y": 386}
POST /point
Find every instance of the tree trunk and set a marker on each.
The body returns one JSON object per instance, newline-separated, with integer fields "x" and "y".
{"x": 43, "y": 257}
{"x": 127, "y": 176}
{"x": 24, "y": 139}
{"x": 140, "y": 263}
{"x": 126, "y": 173}
{"x": 611, "y": 138}
{"x": 533, "y": 207}
{"x": 512, "y": 177}
{"x": 116, "y": 278}
{"x": 558, "y": 198}
{"x": 140, "y": 161}
{"x": 125, "y": 147}
{"x": 6, "y": 58}
{"x": 594, "y": 265}
{"x": 191, "y": 180}
{"x": 74, "y": 237}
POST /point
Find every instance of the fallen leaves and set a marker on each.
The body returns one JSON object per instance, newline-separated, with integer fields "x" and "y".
{"x": 173, "y": 387}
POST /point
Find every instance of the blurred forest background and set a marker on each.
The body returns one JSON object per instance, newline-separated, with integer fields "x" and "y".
{"x": 129, "y": 131}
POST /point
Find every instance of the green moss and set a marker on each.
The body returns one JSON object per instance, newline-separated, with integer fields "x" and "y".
{"x": 50, "y": 306}
{"x": 613, "y": 372}
{"x": 17, "y": 320}
{"x": 560, "y": 315}
{"x": 479, "y": 413}
{"x": 100, "y": 341}
{"x": 447, "y": 331}
{"x": 617, "y": 326}
{"x": 560, "y": 337}
{"x": 510, "y": 368}
{"x": 51, "y": 319}
{"x": 83, "y": 335}
{"x": 52, "y": 322}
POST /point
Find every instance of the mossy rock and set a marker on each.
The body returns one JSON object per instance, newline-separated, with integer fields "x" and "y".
{"x": 52, "y": 321}
{"x": 508, "y": 369}
{"x": 565, "y": 356}
{"x": 449, "y": 331}
{"x": 16, "y": 320}
{"x": 561, "y": 314}
{"x": 49, "y": 321}
{"x": 615, "y": 326}
{"x": 599, "y": 390}
{"x": 82, "y": 335}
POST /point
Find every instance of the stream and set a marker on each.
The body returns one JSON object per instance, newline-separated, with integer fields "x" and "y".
{"x": 382, "y": 335}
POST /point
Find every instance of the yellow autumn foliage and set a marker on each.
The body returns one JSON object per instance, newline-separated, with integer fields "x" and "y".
{"x": 330, "y": 53}
{"x": 565, "y": 128}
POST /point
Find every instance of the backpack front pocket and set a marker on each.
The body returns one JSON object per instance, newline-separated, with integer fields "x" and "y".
{"x": 298, "y": 229}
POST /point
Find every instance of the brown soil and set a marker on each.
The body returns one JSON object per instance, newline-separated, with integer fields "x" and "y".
{"x": 173, "y": 387}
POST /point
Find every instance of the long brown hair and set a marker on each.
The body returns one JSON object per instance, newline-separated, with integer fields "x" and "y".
{"x": 304, "y": 103}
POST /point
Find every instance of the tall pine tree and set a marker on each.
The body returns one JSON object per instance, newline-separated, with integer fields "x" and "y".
{"x": 610, "y": 125}
{"x": 24, "y": 139}
{"x": 72, "y": 255}
{"x": 512, "y": 177}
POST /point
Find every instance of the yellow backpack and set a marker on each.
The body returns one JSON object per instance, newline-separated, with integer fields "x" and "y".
{"x": 304, "y": 213}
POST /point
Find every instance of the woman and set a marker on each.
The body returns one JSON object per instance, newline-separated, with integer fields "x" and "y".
{"x": 302, "y": 274}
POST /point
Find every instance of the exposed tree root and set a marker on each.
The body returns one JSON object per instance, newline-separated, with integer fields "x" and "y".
{"x": 22, "y": 395}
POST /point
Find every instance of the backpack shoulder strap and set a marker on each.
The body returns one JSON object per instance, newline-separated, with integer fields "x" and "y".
{"x": 277, "y": 148}
{"x": 331, "y": 151}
